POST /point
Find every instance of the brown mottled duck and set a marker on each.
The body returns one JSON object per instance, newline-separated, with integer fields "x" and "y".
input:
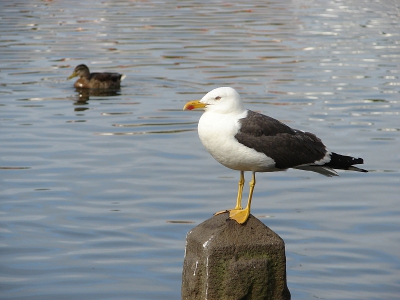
{"x": 89, "y": 80}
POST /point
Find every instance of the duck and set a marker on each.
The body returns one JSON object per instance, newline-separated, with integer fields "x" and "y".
{"x": 96, "y": 80}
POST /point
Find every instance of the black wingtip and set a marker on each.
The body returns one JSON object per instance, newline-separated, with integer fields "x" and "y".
{"x": 352, "y": 168}
{"x": 358, "y": 161}
{"x": 345, "y": 163}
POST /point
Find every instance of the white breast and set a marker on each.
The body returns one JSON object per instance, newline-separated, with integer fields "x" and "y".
{"x": 217, "y": 133}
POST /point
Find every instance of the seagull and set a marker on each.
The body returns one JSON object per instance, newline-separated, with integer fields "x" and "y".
{"x": 244, "y": 140}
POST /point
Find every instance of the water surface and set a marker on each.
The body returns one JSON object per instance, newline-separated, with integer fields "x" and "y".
{"x": 98, "y": 191}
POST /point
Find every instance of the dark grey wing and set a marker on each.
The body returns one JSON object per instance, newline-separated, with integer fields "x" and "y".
{"x": 286, "y": 146}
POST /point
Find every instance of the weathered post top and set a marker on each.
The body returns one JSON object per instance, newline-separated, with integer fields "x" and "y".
{"x": 225, "y": 260}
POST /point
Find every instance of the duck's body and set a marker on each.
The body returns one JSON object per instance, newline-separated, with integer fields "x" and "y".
{"x": 96, "y": 80}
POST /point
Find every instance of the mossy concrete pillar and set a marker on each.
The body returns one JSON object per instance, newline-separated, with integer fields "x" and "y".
{"x": 228, "y": 261}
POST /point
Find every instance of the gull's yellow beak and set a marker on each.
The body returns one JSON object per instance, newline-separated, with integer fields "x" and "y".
{"x": 196, "y": 104}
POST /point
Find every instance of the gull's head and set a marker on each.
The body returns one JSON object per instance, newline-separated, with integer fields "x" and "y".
{"x": 223, "y": 100}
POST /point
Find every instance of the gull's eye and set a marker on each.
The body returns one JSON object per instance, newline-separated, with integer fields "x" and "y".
{"x": 217, "y": 98}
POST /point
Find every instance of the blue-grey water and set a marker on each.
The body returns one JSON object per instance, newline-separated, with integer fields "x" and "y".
{"x": 98, "y": 191}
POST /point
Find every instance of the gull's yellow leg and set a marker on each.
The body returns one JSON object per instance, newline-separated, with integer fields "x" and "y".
{"x": 239, "y": 196}
{"x": 242, "y": 215}
{"x": 240, "y": 191}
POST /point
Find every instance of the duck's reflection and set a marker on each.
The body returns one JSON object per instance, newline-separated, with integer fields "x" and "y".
{"x": 83, "y": 95}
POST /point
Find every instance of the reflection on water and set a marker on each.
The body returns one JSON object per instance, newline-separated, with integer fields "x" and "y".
{"x": 83, "y": 95}
{"x": 99, "y": 188}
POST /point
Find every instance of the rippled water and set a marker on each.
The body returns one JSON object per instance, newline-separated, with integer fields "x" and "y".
{"x": 99, "y": 191}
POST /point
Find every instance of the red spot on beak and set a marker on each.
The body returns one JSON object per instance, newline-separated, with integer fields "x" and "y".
{"x": 190, "y": 107}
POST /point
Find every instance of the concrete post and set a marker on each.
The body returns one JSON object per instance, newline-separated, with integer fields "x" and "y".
{"x": 228, "y": 261}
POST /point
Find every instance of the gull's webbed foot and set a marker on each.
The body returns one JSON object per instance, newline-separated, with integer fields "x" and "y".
{"x": 239, "y": 215}
{"x": 221, "y": 212}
